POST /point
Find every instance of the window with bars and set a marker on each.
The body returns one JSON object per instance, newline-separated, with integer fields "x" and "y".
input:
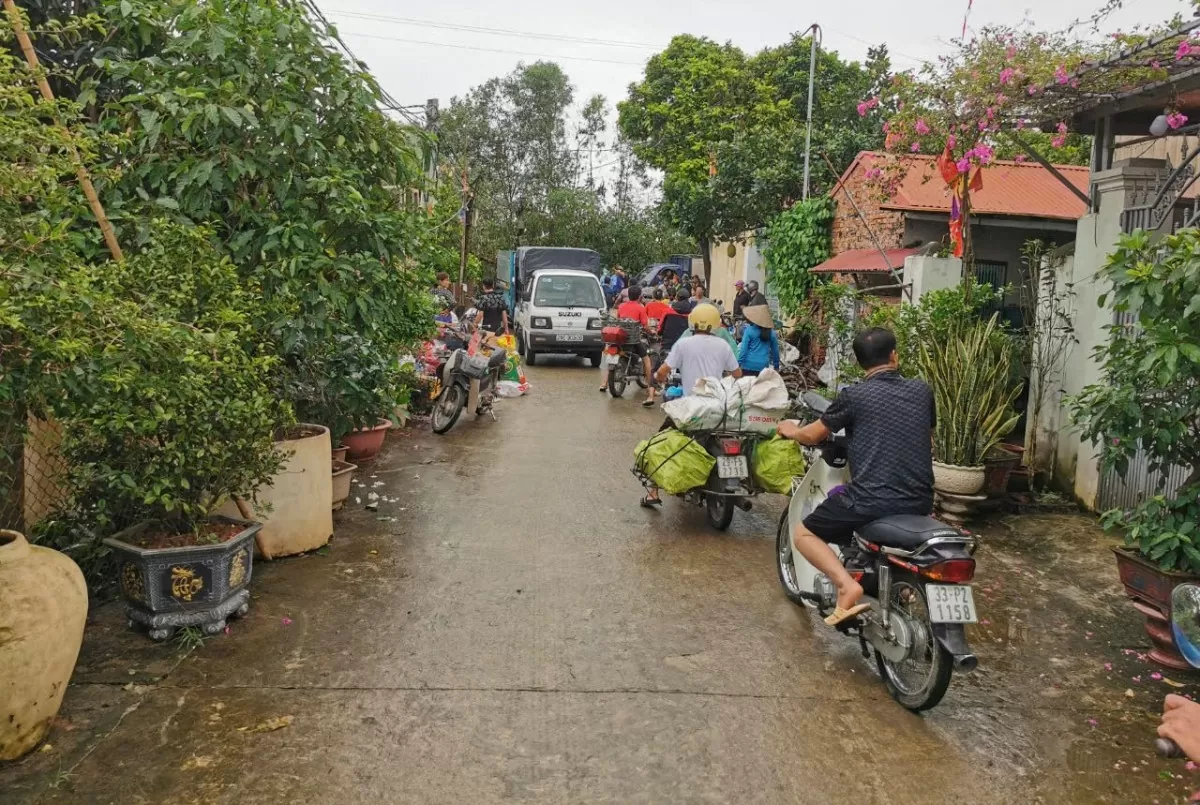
{"x": 992, "y": 273}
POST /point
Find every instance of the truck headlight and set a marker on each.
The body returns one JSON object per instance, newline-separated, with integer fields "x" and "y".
{"x": 539, "y": 323}
{"x": 594, "y": 324}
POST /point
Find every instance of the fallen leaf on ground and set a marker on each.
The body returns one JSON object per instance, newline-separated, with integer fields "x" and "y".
{"x": 1172, "y": 682}
{"x": 200, "y": 762}
{"x": 1129, "y": 692}
{"x": 270, "y": 725}
{"x": 47, "y": 747}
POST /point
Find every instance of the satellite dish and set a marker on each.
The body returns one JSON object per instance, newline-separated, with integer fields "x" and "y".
{"x": 1185, "y": 621}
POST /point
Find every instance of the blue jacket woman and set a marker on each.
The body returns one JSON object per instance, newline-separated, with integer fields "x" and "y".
{"x": 760, "y": 344}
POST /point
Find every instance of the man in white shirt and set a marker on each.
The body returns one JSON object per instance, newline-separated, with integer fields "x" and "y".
{"x": 702, "y": 355}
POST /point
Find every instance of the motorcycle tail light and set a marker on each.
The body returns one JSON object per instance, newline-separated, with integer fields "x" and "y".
{"x": 955, "y": 571}
{"x": 612, "y": 351}
{"x": 731, "y": 447}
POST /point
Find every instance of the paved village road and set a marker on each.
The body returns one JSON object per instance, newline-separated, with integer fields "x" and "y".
{"x": 510, "y": 626}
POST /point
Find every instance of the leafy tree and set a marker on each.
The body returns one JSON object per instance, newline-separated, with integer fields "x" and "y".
{"x": 728, "y": 133}
{"x": 1149, "y": 393}
{"x": 244, "y": 118}
{"x": 798, "y": 239}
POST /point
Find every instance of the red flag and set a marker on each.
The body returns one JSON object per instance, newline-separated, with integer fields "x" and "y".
{"x": 946, "y": 166}
{"x": 977, "y": 181}
{"x": 956, "y": 237}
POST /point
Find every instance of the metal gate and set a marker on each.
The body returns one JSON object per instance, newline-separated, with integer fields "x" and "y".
{"x": 1138, "y": 484}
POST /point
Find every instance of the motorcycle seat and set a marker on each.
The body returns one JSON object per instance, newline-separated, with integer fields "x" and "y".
{"x": 905, "y": 531}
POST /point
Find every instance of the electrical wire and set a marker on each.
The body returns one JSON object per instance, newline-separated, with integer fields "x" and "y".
{"x": 491, "y": 50}
{"x": 451, "y": 26}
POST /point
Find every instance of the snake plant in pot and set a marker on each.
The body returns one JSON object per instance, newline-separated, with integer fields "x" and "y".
{"x": 972, "y": 371}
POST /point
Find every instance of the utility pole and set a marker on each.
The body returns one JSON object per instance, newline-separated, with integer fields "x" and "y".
{"x": 465, "y": 212}
{"x": 814, "y": 33}
{"x": 432, "y": 118}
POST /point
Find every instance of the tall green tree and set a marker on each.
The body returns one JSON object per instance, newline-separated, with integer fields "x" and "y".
{"x": 728, "y": 130}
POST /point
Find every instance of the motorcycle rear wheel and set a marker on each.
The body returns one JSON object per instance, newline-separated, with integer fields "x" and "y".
{"x": 617, "y": 377}
{"x": 719, "y": 508}
{"x": 933, "y": 662}
{"x": 448, "y": 408}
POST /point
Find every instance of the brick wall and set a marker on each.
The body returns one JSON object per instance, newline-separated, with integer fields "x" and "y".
{"x": 849, "y": 232}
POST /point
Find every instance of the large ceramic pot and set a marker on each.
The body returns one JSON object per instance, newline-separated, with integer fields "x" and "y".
{"x": 43, "y": 606}
{"x": 343, "y": 472}
{"x": 958, "y": 480}
{"x": 1150, "y": 588}
{"x": 365, "y": 444}
{"x": 194, "y": 585}
{"x": 294, "y": 509}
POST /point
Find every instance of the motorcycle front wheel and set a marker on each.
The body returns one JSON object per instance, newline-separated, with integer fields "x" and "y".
{"x": 785, "y": 563}
{"x": 448, "y": 408}
{"x": 919, "y": 682}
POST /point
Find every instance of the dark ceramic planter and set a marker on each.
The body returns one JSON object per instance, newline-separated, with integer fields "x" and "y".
{"x": 1150, "y": 588}
{"x": 198, "y": 585}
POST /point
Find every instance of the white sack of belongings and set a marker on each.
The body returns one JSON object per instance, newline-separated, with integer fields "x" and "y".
{"x": 749, "y": 404}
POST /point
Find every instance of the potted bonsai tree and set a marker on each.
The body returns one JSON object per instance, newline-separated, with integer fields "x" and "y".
{"x": 970, "y": 368}
{"x": 1148, "y": 399}
{"x": 164, "y": 402}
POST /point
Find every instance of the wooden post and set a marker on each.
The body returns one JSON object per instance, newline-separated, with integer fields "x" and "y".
{"x": 85, "y": 180}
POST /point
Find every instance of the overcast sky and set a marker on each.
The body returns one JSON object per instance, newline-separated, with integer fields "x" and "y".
{"x": 428, "y": 50}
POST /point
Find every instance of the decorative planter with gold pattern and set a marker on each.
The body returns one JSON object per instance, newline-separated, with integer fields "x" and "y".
{"x": 197, "y": 585}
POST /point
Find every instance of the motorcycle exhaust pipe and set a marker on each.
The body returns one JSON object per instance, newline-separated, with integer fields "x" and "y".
{"x": 965, "y": 663}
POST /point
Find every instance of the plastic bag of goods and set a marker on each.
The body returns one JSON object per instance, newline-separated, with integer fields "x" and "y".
{"x": 673, "y": 461}
{"x": 748, "y": 404}
{"x": 775, "y": 462}
{"x": 509, "y": 388}
{"x": 508, "y": 343}
{"x": 512, "y": 369}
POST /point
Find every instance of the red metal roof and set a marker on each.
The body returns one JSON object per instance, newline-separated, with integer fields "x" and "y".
{"x": 864, "y": 260}
{"x": 1023, "y": 189}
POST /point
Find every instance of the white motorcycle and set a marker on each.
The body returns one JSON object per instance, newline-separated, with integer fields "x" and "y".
{"x": 914, "y": 571}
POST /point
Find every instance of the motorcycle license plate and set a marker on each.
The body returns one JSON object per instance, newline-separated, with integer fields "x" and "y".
{"x": 950, "y": 603}
{"x": 732, "y": 467}
{"x": 568, "y": 338}
{"x": 612, "y": 360}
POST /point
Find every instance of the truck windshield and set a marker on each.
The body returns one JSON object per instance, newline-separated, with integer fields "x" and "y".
{"x": 568, "y": 292}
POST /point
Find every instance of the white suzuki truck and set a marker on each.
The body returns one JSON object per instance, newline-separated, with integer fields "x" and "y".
{"x": 559, "y": 304}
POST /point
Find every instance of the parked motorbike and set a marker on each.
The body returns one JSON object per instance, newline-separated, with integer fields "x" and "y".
{"x": 469, "y": 377}
{"x": 914, "y": 570}
{"x": 621, "y": 339}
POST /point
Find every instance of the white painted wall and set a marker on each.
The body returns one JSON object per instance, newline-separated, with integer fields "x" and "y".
{"x": 929, "y": 274}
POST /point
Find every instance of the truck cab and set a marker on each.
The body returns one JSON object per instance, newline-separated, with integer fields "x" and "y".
{"x": 558, "y": 303}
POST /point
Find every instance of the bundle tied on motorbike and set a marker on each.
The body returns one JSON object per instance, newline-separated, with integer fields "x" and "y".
{"x": 747, "y": 405}
{"x": 775, "y": 462}
{"x": 673, "y": 461}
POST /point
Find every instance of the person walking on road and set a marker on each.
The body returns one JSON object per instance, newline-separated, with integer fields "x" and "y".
{"x": 760, "y": 344}
{"x": 741, "y": 299}
{"x": 493, "y": 311}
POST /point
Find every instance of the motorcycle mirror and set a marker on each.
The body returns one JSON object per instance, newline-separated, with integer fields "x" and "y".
{"x": 815, "y": 401}
{"x": 1185, "y": 621}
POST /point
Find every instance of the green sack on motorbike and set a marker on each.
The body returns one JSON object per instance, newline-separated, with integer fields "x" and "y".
{"x": 775, "y": 462}
{"x": 673, "y": 461}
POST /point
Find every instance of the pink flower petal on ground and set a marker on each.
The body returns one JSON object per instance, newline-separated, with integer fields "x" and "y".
{"x": 286, "y": 621}
{"x": 1093, "y": 722}
{"x": 1136, "y": 678}
{"x": 1108, "y": 666}
{"x": 1156, "y": 676}
{"x": 1190, "y": 766}
{"x": 228, "y": 630}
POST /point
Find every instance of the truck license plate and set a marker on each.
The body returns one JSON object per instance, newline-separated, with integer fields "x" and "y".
{"x": 950, "y": 603}
{"x": 568, "y": 338}
{"x": 732, "y": 467}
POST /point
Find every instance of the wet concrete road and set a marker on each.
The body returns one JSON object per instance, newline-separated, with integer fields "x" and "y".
{"x": 511, "y": 627}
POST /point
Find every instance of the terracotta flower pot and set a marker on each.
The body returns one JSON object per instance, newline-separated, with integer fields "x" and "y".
{"x": 1000, "y": 469}
{"x": 958, "y": 480}
{"x": 43, "y": 606}
{"x": 365, "y": 444}
{"x": 343, "y": 472}
{"x": 1149, "y": 588}
{"x": 339, "y": 453}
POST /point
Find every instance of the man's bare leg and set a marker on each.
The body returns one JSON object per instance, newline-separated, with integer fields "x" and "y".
{"x": 649, "y": 378}
{"x": 822, "y": 557}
